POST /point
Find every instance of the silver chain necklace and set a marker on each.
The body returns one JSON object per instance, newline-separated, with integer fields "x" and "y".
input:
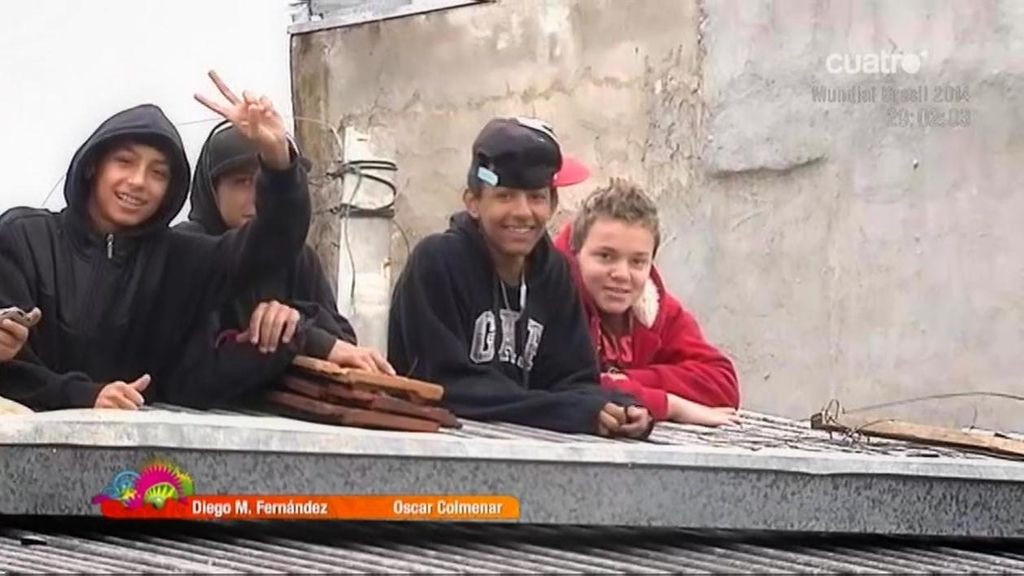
{"x": 522, "y": 293}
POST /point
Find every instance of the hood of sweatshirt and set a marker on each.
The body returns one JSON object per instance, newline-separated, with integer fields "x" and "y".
{"x": 147, "y": 124}
{"x": 647, "y": 310}
{"x": 224, "y": 150}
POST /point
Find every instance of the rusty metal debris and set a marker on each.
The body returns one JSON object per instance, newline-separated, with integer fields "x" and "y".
{"x": 832, "y": 419}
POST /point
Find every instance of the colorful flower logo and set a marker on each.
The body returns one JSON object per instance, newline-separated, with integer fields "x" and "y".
{"x": 155, "y": 484}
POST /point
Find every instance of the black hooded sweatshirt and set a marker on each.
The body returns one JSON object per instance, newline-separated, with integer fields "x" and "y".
{"x": 452, "y": 322}
{"x": 302, "y": 284}
{"x": 119, "y": 305}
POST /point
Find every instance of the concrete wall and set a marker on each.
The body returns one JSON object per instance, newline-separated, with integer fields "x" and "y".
{"x": 830, "y": 250}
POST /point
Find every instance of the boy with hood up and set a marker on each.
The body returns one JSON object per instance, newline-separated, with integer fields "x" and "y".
{"x": 120, "y": 292}
{"x": 488, "y": 309}
{"x": 223, "y": 198}
{"x": 647, "y": 343}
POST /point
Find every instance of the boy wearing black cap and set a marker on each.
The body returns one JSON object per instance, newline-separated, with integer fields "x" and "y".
{"x": 488, "y": 308}
{"x": 267, "y": 314}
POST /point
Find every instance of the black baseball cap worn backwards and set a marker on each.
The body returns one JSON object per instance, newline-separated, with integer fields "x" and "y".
{"x": 521, "y": 153}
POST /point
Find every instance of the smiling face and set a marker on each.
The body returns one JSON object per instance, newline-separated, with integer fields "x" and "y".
{"x": 129, "y": 186}
{"x": 512, "y": 220}
{"x": 615, "y": 262}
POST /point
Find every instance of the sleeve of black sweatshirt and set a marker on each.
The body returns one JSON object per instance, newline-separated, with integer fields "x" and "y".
{"x": 25, "y": 379}
{"x": 218, "y": 269}
{"x": 432, "y": 340}
{"x": 320, "y": 335}
{"x": 207, "y": 375}
{"x": 322, "y": 306}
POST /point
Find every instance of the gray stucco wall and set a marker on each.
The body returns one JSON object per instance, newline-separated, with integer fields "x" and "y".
{"x": 830, "y": 249}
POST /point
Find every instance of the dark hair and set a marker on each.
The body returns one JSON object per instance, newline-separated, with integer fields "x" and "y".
{"x": 247, "y": 166}
{"x": 620, "y": 200}
{"x": 107, "y": 147}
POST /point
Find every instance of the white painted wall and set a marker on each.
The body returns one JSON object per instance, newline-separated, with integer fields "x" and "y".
{"x": 66, "y": 65}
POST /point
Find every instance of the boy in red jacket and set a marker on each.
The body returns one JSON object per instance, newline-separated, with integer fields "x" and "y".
{"x": 648, "y": 345}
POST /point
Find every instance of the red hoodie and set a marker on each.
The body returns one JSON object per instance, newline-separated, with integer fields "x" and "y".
{"x": 664, "y": 353}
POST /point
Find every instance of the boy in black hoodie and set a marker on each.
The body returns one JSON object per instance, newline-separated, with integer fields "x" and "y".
{"x": 120, "y": 292}
{"x": 267, "y": 314}
{"x": 488, "y": 309}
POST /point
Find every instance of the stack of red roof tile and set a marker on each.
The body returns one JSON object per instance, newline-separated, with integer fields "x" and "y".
{"x": 323, "y": 392}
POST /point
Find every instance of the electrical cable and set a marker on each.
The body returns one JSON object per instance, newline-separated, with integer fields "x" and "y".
{"x": 984, "y": 394}
{"x": 348, "y": 209}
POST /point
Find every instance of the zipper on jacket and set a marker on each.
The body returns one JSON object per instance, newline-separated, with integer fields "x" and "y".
{"x": 110, "y": 246}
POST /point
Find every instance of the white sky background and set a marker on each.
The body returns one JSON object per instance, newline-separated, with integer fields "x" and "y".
{"x": 66, "y": 65}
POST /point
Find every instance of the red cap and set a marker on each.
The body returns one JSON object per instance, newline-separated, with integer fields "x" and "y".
{"x": 573, "y": 172}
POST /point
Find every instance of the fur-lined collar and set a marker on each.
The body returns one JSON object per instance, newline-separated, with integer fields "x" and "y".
{"x": 648, "y": 305}
{"x": 646, "y": 308}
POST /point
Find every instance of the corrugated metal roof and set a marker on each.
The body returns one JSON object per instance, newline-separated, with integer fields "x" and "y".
{"x": 757, "y": 432}
{"x": 79, "y": 545}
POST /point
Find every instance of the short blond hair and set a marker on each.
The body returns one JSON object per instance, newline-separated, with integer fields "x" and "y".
{"x": 620, "y": 200}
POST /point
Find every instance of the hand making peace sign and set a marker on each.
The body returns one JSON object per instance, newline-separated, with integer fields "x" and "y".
{"x": 256, "y": 119}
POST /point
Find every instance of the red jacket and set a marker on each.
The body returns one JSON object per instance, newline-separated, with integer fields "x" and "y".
{"x": 664, "y": 353}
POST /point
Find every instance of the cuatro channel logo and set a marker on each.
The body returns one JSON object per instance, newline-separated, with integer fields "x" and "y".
{"x": 159, "y": 488}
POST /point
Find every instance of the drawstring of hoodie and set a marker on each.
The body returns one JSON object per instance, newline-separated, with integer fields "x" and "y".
{"x": 519, "y": 344}
{"x": 496, "y": 311}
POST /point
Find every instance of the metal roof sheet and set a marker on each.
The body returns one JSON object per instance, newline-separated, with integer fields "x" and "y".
{"x": 38, "y": 545}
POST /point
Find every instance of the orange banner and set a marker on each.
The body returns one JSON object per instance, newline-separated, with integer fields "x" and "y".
{"x": 456, "y": 508}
